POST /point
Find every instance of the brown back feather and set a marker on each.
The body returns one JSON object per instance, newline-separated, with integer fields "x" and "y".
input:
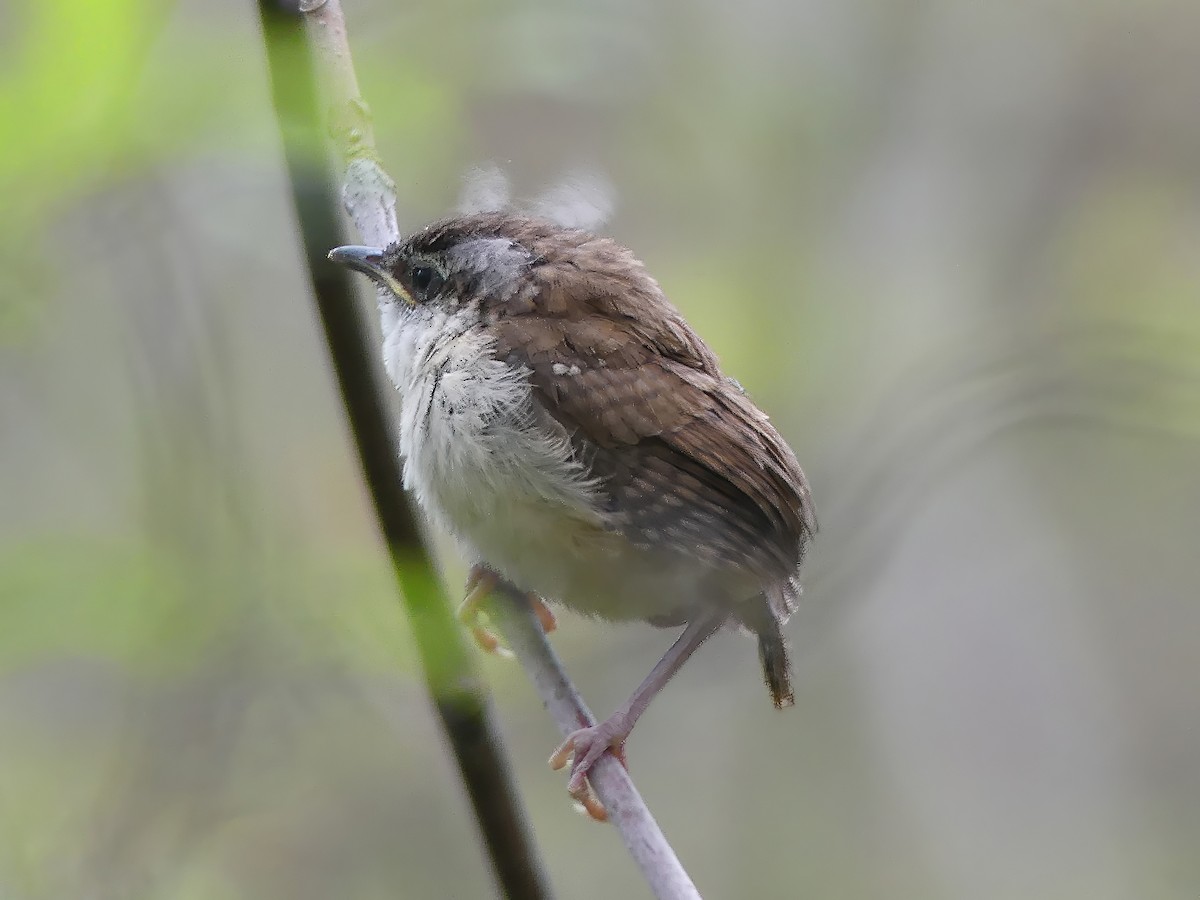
{"x": 685, "y": 457}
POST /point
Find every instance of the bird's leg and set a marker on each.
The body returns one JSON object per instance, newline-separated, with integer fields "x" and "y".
{"x": 585, "y": 746}
{"x": 481, "y": 581}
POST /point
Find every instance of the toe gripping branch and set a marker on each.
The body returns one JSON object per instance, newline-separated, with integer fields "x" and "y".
{"x": 481, "y": 584}
{"x": 581, "y": 748}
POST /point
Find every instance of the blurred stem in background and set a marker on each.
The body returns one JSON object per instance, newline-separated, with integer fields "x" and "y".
{"x": 456, "y": 690}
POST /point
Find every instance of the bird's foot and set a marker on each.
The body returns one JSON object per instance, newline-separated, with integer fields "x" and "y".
{"x": 480, "y": 583}
{"x": 583, "y": 748}
{"x": 545, "y": 615}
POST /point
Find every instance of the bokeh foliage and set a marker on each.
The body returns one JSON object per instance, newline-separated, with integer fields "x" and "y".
{"x": 952, "y": 249}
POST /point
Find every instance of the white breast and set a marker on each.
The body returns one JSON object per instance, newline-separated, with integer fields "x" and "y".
{"x": 504, "y": 480}
{"x": 475, "y": 454}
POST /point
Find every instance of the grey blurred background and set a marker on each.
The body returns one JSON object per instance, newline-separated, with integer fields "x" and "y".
{"x": 954, "y": 248}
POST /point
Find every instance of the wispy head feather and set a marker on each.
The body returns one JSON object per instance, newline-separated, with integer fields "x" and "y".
{"x": 484, "y": 189}
{"x": 580, "y": 200}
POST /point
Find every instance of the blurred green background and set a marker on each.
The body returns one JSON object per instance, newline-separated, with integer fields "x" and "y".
{"x": 953, "y": 247}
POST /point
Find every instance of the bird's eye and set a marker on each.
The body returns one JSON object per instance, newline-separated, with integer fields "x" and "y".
{"x": 423, "y": 279}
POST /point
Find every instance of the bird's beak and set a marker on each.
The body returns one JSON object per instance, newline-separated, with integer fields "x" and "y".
{"x": 369, "y": 261}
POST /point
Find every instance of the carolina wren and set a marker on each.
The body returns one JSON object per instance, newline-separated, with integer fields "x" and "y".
{"x": 562, "y": 419}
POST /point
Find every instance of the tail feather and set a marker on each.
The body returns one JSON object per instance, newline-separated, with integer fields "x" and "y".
{"x": 776, "y": 662}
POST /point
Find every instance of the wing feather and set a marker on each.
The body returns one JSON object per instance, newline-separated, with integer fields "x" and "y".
{"x": 685, "y": 457}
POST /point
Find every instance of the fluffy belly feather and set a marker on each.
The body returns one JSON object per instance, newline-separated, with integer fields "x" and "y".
{"x": 590, "y": 569}
{"x": 508, "y": 486}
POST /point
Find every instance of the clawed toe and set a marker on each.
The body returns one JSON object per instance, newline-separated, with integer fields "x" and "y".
{"x": 583, "y": 748}
{"x": 480, "y": 583}
{"x": 545, "y": 615}
{"x": 489, "y": 642}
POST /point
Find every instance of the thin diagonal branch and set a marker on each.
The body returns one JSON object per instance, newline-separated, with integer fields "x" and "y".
{"x": 626, "y": 809}
{"x": 459, "y": 695}
{"x": 370, "y": 201}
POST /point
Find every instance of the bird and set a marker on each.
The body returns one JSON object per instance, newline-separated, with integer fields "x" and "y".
{"x": 562, "y": 420}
